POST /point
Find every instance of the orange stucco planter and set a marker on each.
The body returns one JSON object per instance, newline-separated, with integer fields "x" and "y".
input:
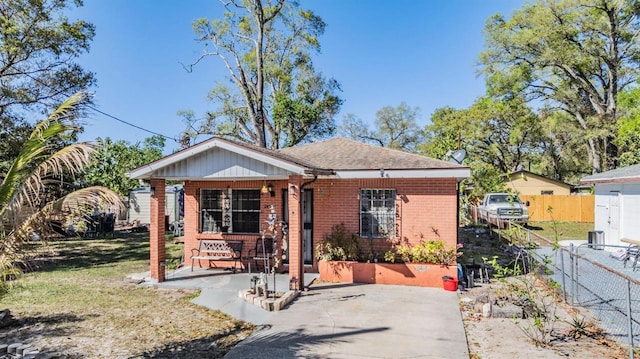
{"x": 414, "y": 274}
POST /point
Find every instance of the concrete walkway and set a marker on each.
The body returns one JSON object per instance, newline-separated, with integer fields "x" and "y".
{"x": 338, "y": 321}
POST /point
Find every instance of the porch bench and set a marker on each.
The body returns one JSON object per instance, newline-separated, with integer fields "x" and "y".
{"x": 217, "y": 250}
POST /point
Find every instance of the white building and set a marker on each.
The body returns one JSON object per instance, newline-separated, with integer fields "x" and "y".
{"x": 617, "y": 204}
{"x": 139, "y": 200}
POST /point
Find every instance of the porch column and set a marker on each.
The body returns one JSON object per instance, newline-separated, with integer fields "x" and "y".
{"x": 156, "y": 230}
{"x": 296, "y": 261}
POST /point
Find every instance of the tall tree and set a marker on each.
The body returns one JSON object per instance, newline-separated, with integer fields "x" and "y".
{"x": 444, "y": 133}
{"x": 395, "y": 127}
{"x": 26, "y": 203}
{"x": 38, "y": 47}
{"x": 499, "y": 134}
{"x": 574, "y": 55}
{"x": 628, "y": 136}
{"x": 562, "y": 152}
{"x": 114, "y": 159}
{"x": 279, "y": 98}
{"x": 502, "y": 132}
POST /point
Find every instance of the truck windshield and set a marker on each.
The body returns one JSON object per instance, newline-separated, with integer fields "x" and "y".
{"x": 504, "y": 198}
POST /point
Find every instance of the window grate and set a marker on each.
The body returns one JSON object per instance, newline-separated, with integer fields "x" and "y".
{"x": 229, "y": 211}
{"x": 377, "y": 213}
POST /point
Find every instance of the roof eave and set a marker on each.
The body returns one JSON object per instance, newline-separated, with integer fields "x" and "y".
{"x": 610, "y": 180}
{"x": 458, "y": 173}
{"x": 146, "y": 171}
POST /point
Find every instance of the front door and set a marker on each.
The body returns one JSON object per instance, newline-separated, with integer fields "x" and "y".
{"x": 614, "y": 218}
{"x": 307, "y": 225}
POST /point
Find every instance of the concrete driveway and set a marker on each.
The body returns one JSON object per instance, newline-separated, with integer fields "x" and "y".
{"x": 336, "y": 320}
{"x": 362, "y": 321}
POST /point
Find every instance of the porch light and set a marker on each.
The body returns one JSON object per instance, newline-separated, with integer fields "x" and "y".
{"x": 152, "y": 190}
{"x": 268, "y": 188}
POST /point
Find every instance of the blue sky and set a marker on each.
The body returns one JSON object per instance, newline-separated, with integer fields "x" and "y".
{"x": 383, "y": 52}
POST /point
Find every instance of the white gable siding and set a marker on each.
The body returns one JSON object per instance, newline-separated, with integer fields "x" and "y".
{"x": 220, "y": 164}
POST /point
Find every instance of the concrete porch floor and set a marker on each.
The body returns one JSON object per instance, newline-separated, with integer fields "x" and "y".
{"x": 220, "y": 288}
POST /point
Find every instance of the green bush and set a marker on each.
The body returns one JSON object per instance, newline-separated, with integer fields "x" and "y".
{"x": 340, "y": 244}
{"x": 432, "y": 252}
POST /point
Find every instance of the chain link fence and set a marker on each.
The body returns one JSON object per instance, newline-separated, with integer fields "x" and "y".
{"x": 593, "y": 278}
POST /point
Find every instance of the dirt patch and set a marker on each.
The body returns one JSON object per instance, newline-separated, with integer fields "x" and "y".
{"x": 567, "y": 331}
{"x": 506, "y": 337}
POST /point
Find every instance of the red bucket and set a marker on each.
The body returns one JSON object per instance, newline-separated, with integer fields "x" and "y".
{"x": 450, "y": 284}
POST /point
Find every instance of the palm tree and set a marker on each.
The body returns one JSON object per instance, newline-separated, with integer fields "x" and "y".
{"x": 26, "y": 201}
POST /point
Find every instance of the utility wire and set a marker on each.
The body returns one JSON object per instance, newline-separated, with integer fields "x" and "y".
{"x": 131, "y": 124}
{"x": 110, "y": 116}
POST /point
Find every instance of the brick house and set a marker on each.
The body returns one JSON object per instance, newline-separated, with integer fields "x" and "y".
{"x": 378, "y": 193}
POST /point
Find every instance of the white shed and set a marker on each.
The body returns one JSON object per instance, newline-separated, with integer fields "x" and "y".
{"x": 139, "y": 204}
{"x": 617, "y": 204}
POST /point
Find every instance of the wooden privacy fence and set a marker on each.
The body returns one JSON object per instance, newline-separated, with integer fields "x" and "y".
{"x": 564, "y": 208}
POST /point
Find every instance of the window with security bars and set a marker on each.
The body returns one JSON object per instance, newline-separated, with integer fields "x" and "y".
{"x": 377, "y": 213}
{"x": 230, "y": 211}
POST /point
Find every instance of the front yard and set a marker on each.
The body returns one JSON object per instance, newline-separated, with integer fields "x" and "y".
{"x": 78, "y": 303}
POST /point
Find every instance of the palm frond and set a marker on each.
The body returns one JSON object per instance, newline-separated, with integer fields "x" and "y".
{"x": 68, "y": 161}
{"x": 13, "y": 246}
{"x": 14, "y": 243}
{"x": 63, "y": 114}
{"x": 36, "y": 151}
{"x": 95, "y": 197}
{"x": 24, "y": 186}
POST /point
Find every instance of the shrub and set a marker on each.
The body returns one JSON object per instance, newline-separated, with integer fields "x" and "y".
{"x": 340, "y": 244}
{"x": 433, "y": 252}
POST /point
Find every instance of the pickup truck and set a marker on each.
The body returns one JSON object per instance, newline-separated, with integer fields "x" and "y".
{"x": 501, "y": 208}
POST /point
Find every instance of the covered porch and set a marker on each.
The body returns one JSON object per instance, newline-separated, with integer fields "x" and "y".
{"x": 233, "y": 192}
{"x": 219, "y": 289}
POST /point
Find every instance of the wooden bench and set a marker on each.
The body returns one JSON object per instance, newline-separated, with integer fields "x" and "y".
{"x": 217, "y": 250}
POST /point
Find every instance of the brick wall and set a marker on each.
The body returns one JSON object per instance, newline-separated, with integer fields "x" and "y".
{"x": 426, "y": 209}
{"x": 157, "y": 252}
{"x": 192, "y": 219}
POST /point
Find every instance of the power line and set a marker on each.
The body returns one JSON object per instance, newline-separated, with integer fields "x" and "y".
{"x": 106, "y": 114}
{"x": 131, "y": 124}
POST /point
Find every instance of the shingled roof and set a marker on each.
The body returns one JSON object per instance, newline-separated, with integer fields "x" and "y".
{"x": 623, "y": 174}
{"x": 339, "y": 157}
{"x": 345, "y": 154}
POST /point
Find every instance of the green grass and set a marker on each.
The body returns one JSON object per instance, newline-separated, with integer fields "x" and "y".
{"x": 561, "y": 230}
{"x": 78, "y": 300}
